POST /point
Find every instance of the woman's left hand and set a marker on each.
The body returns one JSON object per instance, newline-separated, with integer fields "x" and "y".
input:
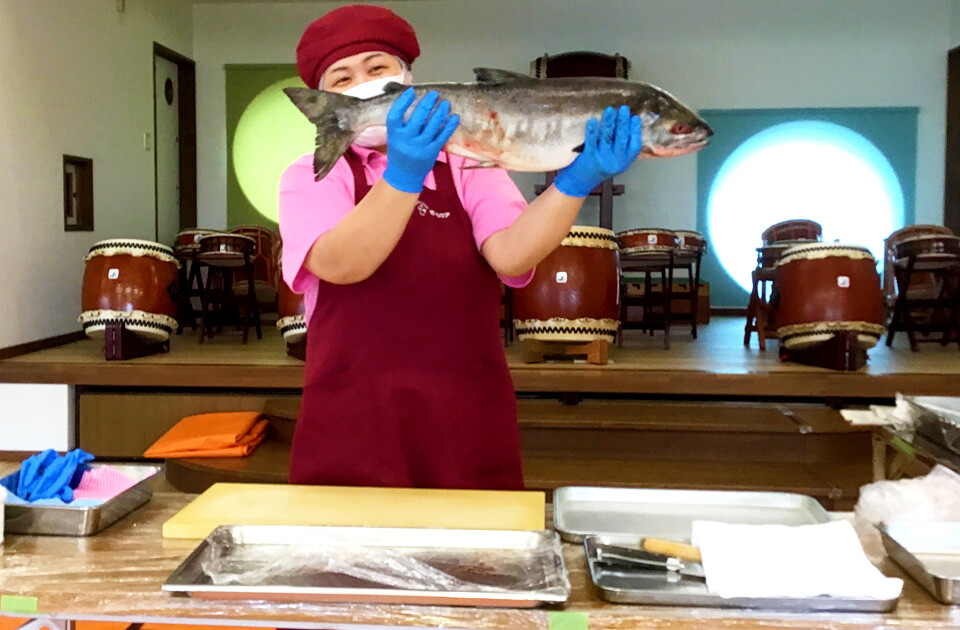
{"x": 609, "y": 148}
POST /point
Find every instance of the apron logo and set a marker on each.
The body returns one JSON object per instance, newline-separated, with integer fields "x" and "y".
{"x": 424, "y": 210}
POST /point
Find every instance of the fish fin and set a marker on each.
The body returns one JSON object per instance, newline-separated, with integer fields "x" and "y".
{"x": 332, "y": 114}
{"x": 480, "y": 165}
{"x": 579, "y": 148}
{"x": 492, "y": 75}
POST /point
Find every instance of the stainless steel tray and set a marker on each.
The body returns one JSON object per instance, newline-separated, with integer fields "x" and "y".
{"x": 581, "y": 511}
{"x": 376, "y": 565}
{"x": 659, "y": 588}
{"x": 82, "y": 521}
{"x": 930, "y": 552}
{"x": 938, "y": 419}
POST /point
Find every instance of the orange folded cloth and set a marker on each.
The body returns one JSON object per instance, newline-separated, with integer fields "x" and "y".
{"x": 225, "y": 434}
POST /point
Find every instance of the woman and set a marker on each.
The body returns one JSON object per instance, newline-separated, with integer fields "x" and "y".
{"x": 397, "y": 251}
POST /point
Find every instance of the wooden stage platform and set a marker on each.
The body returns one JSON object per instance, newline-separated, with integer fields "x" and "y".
{"x": 715, "y": 365}
{"x": 707, "y": 413}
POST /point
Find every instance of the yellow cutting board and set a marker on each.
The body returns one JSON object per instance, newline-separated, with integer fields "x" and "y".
{"x": 277, "y": 504}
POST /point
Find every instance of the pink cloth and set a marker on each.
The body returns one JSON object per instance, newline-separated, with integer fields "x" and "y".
{"x": 308, "y": 209}
{"x": 103, "y": 482}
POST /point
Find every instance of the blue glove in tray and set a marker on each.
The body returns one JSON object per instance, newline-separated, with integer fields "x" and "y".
{"x": 48, "y": 476}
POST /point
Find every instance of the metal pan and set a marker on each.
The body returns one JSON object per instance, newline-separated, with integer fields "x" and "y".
{"x": 669, "y": 588}
{"x": 930, "y": 552}
{"x": 938, "y": 419}
{"x": 656, "y": 513}
{"x": 376, "y": 565}
{"x": 82, "y": 521}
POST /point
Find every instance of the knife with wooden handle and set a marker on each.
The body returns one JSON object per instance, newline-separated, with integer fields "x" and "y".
{"x": 622, "y": 558}
{"x": 671, "y": 548}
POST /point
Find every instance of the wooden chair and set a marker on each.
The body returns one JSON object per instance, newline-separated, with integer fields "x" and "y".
{"x": 933, "y": 258}
{"x": 919, "y": 282}
{"x": 761, "y": 311}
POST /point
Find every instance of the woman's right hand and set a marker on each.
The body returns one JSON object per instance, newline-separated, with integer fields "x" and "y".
{"x": 413, "y": 146}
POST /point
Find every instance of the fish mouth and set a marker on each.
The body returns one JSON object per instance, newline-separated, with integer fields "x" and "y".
{"x": 674, "y": 151}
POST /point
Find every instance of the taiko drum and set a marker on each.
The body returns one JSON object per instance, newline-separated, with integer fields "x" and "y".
{"x": 132, "y": 282}
{"x": 827, "y": 288}
{"x": 264, "y": 263}
{"x": 291, "y": 309}
{"x": 792, "y": 230}
{"x": 647, "y": 240}
{"x": 690, "y": 242}
{"x": 575, "y": 292}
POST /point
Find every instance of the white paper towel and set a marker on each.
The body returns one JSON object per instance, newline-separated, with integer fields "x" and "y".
{"x": 783, "y": 561}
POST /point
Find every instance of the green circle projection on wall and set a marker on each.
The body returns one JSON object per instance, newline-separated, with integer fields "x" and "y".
{"x": 270, "y": 135}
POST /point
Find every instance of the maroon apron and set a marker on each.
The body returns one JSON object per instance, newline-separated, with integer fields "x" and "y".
{"x": 406, "y": 383}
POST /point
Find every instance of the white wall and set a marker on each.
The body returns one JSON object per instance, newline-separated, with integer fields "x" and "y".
{"x": 36, "y": 417}
{"x": 711, "y": 54}
{"x": 77, "y": 79}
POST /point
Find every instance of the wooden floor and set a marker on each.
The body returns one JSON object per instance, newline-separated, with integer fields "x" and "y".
{"x": 715, "y": 365}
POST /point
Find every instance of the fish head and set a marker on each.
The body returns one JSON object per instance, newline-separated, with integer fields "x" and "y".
{"x": 670, "y": 128}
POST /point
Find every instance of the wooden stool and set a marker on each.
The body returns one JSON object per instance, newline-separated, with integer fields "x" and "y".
{"x": 224, "y": 255}
{"x": 760, "y": 316}
{"x": 648, "y": 264}
{"x": 688, "y": 256}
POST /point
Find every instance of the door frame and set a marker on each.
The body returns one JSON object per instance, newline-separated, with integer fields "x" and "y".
{"x": 187, "y": 132}
{"x": 951, "y": 184}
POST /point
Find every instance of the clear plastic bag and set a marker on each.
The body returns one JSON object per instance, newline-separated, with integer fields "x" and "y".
{"x": 935, "y": 497}
{"x": 384, "y": 559}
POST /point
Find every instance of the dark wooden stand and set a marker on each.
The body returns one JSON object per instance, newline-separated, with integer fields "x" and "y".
{"x": 843, "y": 352}
{"x": 119, "y": 344}
{"x": 606, "y": 191}
{"x": 533, "y": 351}
{"x": 298, "y": 350}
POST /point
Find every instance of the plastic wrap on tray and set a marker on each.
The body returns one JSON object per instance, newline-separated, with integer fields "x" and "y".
{"x": 493, "y": 568}
{"x": 225, "y": 563}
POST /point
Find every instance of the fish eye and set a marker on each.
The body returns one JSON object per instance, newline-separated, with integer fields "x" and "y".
{"x": 679, "y": 128}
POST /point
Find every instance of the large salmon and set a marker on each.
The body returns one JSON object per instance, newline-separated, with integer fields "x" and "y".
{"x": 511, "y": 120}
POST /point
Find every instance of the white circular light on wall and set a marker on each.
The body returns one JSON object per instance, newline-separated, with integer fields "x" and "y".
{"x": 801, "y": 170}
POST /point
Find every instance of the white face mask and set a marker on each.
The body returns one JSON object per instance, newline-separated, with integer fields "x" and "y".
{"x": 374, "y": 136}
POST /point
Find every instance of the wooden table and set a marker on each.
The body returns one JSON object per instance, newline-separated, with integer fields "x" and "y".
{"x": 117, "y": 575}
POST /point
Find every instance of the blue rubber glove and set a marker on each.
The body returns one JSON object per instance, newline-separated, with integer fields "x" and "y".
{"x": 413, "y": 146}
{"x": 609, "y": 148}
{"x": 47, "y": 475}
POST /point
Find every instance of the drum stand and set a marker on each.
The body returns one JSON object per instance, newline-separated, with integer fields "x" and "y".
{"x": 120, "y": 344}
{"x": 534, "y": 351}
{"x": 843, "y": 352}
{"x": 298, "y": 350}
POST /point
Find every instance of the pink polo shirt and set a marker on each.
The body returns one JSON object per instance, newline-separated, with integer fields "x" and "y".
{"x": 309, "y": 208}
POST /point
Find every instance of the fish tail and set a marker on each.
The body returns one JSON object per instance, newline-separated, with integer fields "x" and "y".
{"x": 334, "y": 115}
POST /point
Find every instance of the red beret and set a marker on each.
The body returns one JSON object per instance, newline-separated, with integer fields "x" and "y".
{"x": 351, "y": 30}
